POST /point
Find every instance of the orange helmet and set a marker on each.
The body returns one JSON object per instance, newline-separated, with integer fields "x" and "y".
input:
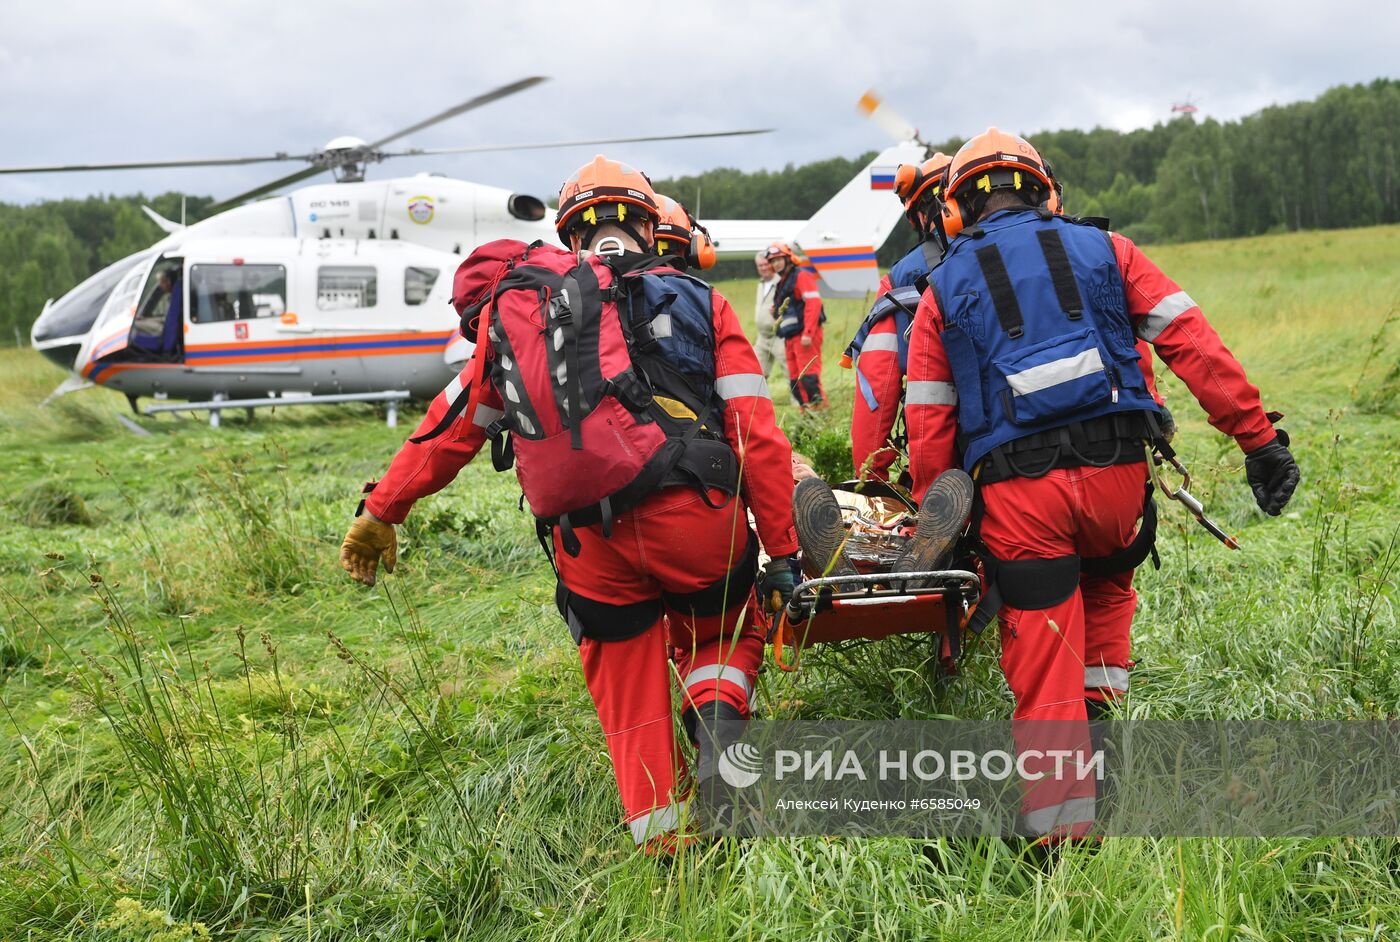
{"x": 915, "y": 184}
{"x": 993, "y": 160}
{"x": 674, "y": 226}
{"x": 783, "y": 249}
{"x": 680, "y": 234}
{"x": 603, "y": 190}
{"x": 912, "y": 181}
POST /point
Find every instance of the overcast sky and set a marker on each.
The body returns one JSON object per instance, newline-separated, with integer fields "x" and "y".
{"x": 104, "y": 81}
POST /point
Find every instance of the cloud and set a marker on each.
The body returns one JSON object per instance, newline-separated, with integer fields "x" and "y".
{"x": 165, "y": 79}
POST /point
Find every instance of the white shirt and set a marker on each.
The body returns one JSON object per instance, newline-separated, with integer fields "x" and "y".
{"x": 763, "y": 308}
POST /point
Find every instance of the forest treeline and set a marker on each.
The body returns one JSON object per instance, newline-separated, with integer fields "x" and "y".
{"x": 1328, "y": 163}
{"x": 47, "y": 248}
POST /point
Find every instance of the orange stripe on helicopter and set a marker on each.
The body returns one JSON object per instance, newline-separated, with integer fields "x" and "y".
{"x": 293, "y": 343}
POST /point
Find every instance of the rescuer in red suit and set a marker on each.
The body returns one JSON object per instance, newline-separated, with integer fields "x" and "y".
{"x": 664, "y": 587}
{"x": 1023, "y": 371}
{"x": 797, "y": 307}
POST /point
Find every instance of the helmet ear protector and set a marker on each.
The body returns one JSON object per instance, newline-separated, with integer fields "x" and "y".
{"x": 1055, "y": 199}
{"x": 699, "y": 250}
{"x": 702, "y": 251}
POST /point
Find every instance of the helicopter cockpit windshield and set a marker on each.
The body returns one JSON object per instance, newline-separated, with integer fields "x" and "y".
{"x": 60, "y": 331}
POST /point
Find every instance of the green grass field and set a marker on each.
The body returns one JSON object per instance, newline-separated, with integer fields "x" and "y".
{"x": 210, "y": 732}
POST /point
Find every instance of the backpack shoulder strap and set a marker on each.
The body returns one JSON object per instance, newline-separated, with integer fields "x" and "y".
{"x": 481, "y": 312}
{"x": 578, "y": 295}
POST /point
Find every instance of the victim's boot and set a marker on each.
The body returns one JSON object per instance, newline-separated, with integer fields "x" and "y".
{"x": 944, "y": 510}
{"x": 820, "y": 530}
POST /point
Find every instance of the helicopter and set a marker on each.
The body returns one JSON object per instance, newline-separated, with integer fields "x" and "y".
{"x": 1187, "y": 106}
{"x": 341, "y": 291}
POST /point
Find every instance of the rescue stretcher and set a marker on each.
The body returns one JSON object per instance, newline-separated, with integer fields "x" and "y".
{"x": 874, "y": 603}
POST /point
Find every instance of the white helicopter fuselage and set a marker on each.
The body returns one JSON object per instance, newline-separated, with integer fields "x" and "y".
{"x": 315, "y": 292}
{"x": 281, "y": 315}
{"x": 339, "y": 304}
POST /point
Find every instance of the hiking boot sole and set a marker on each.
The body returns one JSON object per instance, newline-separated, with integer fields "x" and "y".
{"x": 942, "y": 514}
{"x": 820, "y": 530}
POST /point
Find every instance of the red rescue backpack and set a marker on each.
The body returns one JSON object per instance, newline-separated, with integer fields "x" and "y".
{"x": 581, "y": 424}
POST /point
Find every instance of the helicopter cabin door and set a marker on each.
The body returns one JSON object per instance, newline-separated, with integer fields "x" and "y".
{"x": 158, "y": 319}
{"x": 233, "y": 309}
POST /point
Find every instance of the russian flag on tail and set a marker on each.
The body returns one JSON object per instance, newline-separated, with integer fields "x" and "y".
{"x": 882, "y": 178}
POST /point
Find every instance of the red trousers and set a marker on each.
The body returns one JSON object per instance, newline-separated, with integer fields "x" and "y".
{"x": 805, "y": 362}
{"x": 672, "y": 544}
{"x": 1056, "y": 658}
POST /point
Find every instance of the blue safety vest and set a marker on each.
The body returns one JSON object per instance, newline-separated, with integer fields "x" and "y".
{"x": 1036, "y": 328}
{"x": 916, "y": 264}
{"x": 790, "y": 307}
{"x": 679, "y": 318}
{"x": 900, "y": 302}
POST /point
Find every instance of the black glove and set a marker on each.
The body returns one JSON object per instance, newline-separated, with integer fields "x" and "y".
{"x": 780, "y": 577}
{"x": 1167, "y": 422}
{"x": 1272, "y": 474}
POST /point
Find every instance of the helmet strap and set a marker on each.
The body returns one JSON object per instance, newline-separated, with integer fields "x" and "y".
{"x": 627, "y": 227}
{"x": 929, "y": 206}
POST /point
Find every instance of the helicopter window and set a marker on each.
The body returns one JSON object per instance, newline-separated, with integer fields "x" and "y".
{"x": 418, "y": 284}
{"x": 236, "y": 292}
{"x": 346, "y": 287}
{"x": 155, "y": 301}
{"x": 123, "y": 300}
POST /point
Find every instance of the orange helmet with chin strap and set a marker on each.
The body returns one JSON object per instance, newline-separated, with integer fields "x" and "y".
{"x": 918, "y": 185}
{"x": 604, "y": 190}
{"x": 680, "y": 234}
{"x": 993, "y": 160}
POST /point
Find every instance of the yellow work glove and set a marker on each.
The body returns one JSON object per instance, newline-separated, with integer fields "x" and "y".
{"x": 368, "y": 541}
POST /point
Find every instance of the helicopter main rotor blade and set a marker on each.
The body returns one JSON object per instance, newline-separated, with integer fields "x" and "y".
{"x": 487, "y": 148}
{"x": 148, "y": 164}
{"x": 288, "y": 180}
{"x": 484, "y": 99}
